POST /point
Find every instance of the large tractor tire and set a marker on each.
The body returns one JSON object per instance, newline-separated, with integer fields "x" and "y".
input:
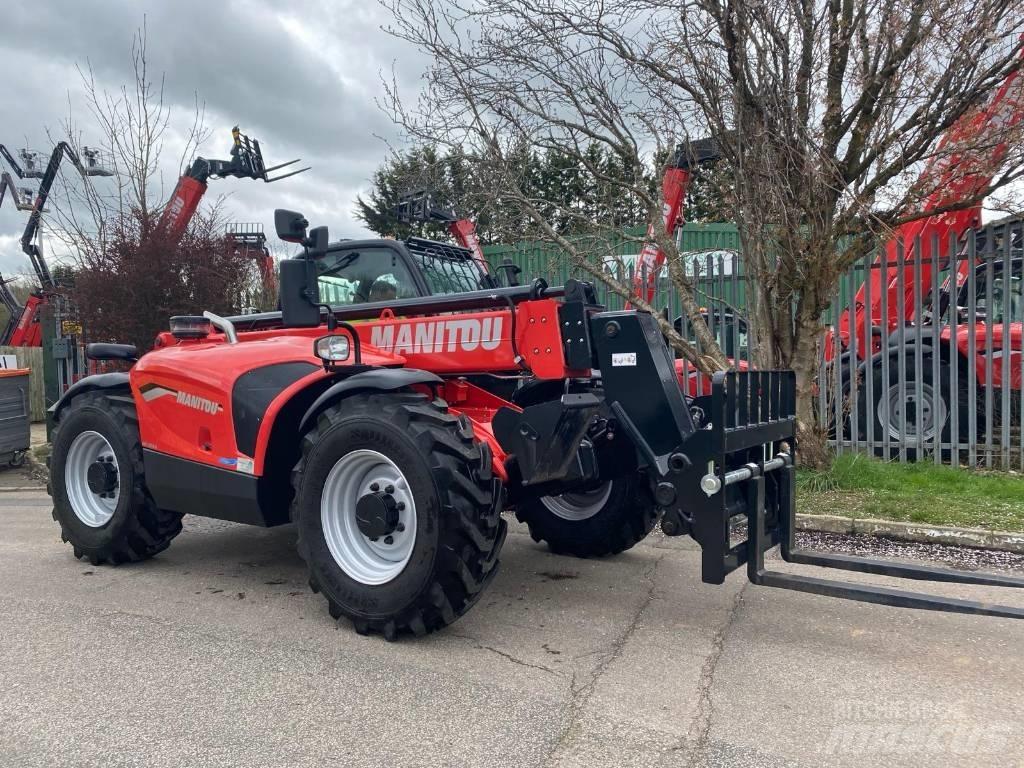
{"x": 397, "y": 513}
{"x": 605, "y": 521}
{"x": 98, "y": 487}
{"x": 903, "y": 419}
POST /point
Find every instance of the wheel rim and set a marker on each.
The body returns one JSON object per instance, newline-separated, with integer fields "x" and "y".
{"x": 578, "y": 506}
{"x": 911, "y": 418}
{"x": 91, "y": 507}
{"x": 353, "y": 476}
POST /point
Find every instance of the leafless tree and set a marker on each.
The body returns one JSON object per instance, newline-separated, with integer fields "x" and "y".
{"x": 827, "y": 111}
{"x": 130, "y": 125}
{"x": 128, "y": 275}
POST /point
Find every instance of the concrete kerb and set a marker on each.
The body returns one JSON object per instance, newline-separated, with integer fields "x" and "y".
{"x": 978, "y": 538}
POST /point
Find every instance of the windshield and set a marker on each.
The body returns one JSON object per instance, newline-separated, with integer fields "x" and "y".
{"x": 363, "y": 275}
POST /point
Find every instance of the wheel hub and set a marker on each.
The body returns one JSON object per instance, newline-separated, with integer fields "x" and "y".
{"x": 92, "y": 478}
{"x": 377, "y": 514}
{"x": 102, "y": 476}
{"x": 368, "y": 514}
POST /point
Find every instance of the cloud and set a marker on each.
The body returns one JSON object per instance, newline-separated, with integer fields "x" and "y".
{"x": 302, "y": 77}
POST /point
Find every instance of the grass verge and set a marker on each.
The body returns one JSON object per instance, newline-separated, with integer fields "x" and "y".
{"x": 860, "y": 486}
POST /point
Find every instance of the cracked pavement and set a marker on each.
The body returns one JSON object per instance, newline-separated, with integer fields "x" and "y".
{"x": 215, "y": 653}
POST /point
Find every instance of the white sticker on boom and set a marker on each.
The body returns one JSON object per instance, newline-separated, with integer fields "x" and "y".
{"x": 245, "y": 464}
{"x": 620, "y": 359}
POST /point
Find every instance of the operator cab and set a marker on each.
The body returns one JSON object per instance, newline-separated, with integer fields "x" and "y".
{"x": 992, "y": 282}
{"x": 363, "y": 271}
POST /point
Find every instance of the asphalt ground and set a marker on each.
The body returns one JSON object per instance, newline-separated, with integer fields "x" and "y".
{"x": 215, "y": 653}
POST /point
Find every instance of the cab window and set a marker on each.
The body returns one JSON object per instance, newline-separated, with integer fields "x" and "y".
{"x": 363, "y": 275}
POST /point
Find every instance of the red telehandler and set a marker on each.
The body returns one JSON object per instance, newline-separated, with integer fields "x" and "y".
{"x": 421, "y": 207}
{"x": 674, "y": 184}
{"x": 379, "y": 430}
{"x": 910, "y": 392}
{"x": 246, "y": 163}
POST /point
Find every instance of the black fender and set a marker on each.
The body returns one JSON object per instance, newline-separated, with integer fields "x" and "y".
{"x": 115, "y": 380}
{"x": 382, "y": 379}
{"x": 893, "y": 351}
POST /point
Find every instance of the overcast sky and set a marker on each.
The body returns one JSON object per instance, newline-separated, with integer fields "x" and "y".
{"x": 301, "y": 76}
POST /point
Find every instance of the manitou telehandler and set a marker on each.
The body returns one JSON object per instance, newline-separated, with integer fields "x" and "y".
{"x": 913, "y": 373}
{"x": 379, "y": 429}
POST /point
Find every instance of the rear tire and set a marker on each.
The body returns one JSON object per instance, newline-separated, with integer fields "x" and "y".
{"x": 98, "y": 484}
{"x": 606, "y": 521}
{"x": 442, "y": 485}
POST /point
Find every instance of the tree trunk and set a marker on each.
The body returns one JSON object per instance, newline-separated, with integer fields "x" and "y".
{"x": 812, "y": 442}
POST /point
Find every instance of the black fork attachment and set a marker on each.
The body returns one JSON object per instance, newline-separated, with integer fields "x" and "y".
{"x": 732, "y": 464}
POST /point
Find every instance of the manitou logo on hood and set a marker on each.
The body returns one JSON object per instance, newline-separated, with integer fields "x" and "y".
{"x": 153, "y": 391}
{"x": 433, "y": 336}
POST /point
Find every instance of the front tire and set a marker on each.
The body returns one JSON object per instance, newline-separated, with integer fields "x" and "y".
{"x": 98, "y": 486}
{"x": 398, "y": 516}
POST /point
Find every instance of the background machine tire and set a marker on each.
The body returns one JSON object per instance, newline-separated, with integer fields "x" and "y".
{"x": 396, "y": 466}
{"x": 98, "y": 486}
{"x": 933, "y": 412}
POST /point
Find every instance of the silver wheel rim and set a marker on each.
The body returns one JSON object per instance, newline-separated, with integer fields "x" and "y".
{"x": 91, "y": 508}
{"x": 578, "y": 506}
{"x": 367, "y": 561}
{"x": 925, "y": 414}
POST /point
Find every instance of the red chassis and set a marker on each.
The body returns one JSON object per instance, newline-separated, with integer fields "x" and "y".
{"x": 445, "y": 345}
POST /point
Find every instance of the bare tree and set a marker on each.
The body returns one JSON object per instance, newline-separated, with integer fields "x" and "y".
{"x": 130, "y": 125}
{"x": 827, "y": 112}
{"x": 128, "y": 274}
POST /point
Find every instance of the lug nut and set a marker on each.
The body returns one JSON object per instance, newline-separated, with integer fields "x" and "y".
{"x": 389, "y": 489}
{"x": 389, "y": 539}
{"x": 373, "y": 538}
{"x": 400, "y": 527}
{"x": 401, "y": 506}
{"x": 374, "y": 487}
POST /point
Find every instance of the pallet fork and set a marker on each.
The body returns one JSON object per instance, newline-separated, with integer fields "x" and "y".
{"x": 748, "y": 406}
{"x": 736, "y": 446}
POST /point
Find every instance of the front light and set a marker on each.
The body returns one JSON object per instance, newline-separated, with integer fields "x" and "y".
{"x": 333, "y": 349}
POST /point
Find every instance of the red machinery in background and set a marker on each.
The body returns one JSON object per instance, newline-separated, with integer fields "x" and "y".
{"x": 674, "y": 184}
{"x": 23, "y": 328}
{"x": 419, "y": 206}
{"x": 246, "y": 163}
{"x": 958, "y": 176}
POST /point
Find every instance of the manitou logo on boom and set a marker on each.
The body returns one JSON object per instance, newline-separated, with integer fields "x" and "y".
{"x": 435, "y": 336}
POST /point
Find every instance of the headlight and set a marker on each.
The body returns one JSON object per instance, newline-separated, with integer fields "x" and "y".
{"x": 332, "y": 349}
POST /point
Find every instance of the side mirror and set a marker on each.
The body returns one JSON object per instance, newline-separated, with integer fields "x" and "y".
{"x": 290, "y": 225}
{"x": 300, "y": 300}
{"x": 317, "y": 242}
